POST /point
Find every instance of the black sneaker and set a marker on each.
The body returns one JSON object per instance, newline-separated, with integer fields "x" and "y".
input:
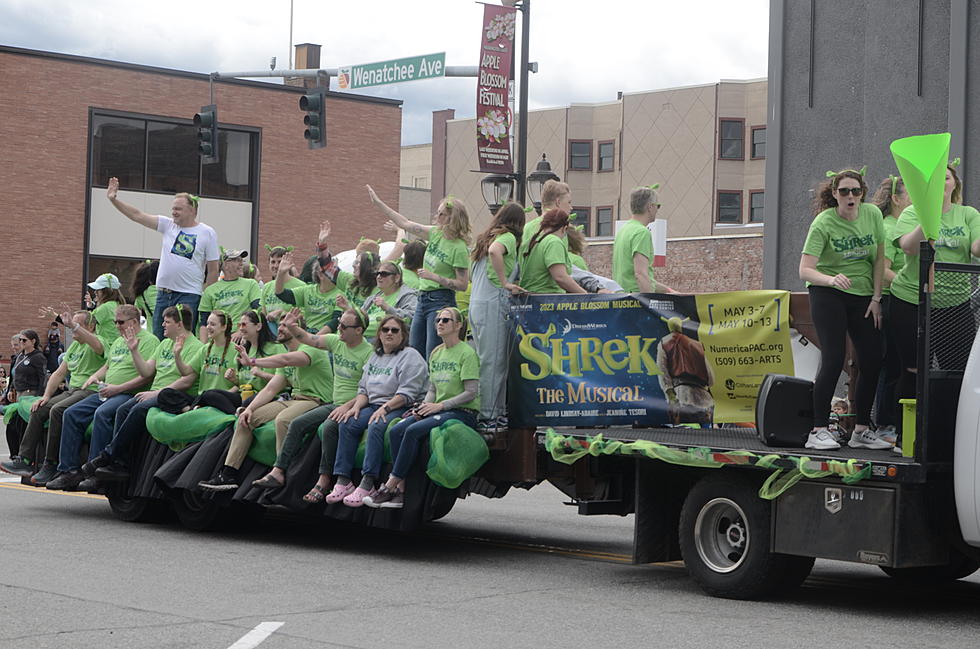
{"x": 116, "y": 471}
{"x": 66, "y": 481}
{"x": 18, "y": 466}
{"x": 226, "y": 480}
{"x": 47, "y": 473}
{"x": 97, "y": 462}
{"x": 90, "y": 485}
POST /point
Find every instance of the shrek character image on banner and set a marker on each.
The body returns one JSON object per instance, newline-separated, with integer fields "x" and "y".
{"x": 685, "y": 375}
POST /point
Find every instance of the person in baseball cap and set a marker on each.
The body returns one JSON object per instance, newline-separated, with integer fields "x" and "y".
{"x": 105, "y": 280}
{"x": 103, "y": 305}
{"x": 232, "y": 294}
{"x": 233, "y": 254}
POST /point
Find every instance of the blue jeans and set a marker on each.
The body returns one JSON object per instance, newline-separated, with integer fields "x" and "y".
{"x": 423, "y": 335}
{"x": 102, "y": 415}
{"x": 407, "y": 435}
{"x": 165, "y": 298}
{"x": 130, "y": 424}
{"x": 350, "y": 436}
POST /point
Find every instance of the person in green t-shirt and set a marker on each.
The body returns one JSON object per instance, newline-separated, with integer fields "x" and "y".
{"x": 891, "y": 198}
{"x": 270, "y": 305}
{"x": 168, "y": 371}
{"x": 259, "y": 343}
{"x": 445, "y": 268}
{"x": 107, "y": 298}
{"x": 82, "y": 359}
{"x": 454, "y": 393}
{"x": 350, "y": 352}
{"x": 632, "y": 256}
{"x": 545, "y": 267}
{"x": 232, "y": 294}
{"x": 577, "y": 244}
{"x": 843, "y": 263}
{"x": 318, "y": 301}
{"x": 312, "y": 386}
{"x": 951, "y": 317}
{"x": 555, "y": 195}
{"x": 119, "y": 379}
{"x": 145, "y": 290}
{"x": 494, "y": 271}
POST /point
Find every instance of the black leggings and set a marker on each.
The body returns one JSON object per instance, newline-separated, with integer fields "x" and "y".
{"x": 836, "y": 313}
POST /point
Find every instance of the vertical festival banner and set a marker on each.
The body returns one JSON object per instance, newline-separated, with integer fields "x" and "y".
{"x": 649, "y": 360}
{"x": 492, "y": 90}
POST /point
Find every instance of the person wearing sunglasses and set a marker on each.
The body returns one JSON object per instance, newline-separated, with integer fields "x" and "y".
{"x": 119, "y": 379}
{"x": 28, "y": 370}
{"x": 106, "y": 299}
{"x": 233, "y": 294}
{"x": 394, "y": 377}
{"x": 843, "y": 265}
{"x": 454, "y": 393}
{"x": 350, "y": 352}
{"x": 632, "y": 256}
{"x": 392, "y": 297}
{"x": 84, "y": 356}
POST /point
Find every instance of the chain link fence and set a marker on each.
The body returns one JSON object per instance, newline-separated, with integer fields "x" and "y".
{"x": 953, "y": 318}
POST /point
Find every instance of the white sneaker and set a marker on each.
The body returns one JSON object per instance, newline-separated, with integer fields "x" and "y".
{"x": 822, "y": 440}
{"x": 888, "y": 434}
{"x": 897, "y": 450}
{"x": 867, "y": 438}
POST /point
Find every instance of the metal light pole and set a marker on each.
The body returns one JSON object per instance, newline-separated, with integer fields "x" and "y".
{"x": 525, "y": 8}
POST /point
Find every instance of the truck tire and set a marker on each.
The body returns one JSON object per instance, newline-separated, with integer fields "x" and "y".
{"x": 197, "y": 512}
{"x": 959, "y": 566}
{"x": 134, "y": 509}
{"x": 724, "y": 535}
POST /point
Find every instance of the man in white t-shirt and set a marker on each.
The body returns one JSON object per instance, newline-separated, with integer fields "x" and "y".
{"x": 189, "y": 247}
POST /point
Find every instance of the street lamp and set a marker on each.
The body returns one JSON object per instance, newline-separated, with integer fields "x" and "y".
{"x": 536, "y": 180}
{"x": 497, "y": 190}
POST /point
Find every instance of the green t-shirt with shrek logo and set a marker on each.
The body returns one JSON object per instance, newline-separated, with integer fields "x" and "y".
{"x": 847, "y": 247}
{"x": 535, "y": 276}
{"x": 632, "y": 238}
{"x": 442, "y": 257}
{"x": 958, "y": 229}
{"x": 313, "y": 380}
{"x": 215, "y": 362}
{"x": 449, "y": 367}
{"x": 348, "y": 365}
{"x": 121, "y": 368}
{"x": 167, "y": 370}
{"x": 320, "y": 308}
{"x": 83, "y": 362}
{"x": 268, "y": 300}
{"x": 233, "y": 297}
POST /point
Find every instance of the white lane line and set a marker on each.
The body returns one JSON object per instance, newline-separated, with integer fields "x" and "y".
{"x": 10, "y": 479}
{"x": 256, "y": 635}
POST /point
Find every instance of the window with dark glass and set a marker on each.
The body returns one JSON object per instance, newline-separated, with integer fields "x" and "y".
{"x": 604, "y": 221}
{"x": 732, "y": 139}
{"x": 118, "y": 149}
{"x": 756, "y": 204}
{"x": 580, "y": 154}
{"x": 172, "y": 162}
{"x": 729, "y": 207}
{"x": 759, "y": 142}
{"x": 230, "y": 177}
{"x": 582, "y": 218}
{"x": 606, "y": 152}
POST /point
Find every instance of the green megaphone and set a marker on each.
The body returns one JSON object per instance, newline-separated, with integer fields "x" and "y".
{"x": 922, "y": 161}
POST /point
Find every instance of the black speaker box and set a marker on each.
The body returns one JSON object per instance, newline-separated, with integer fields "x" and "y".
{"x": 784, "y": 410}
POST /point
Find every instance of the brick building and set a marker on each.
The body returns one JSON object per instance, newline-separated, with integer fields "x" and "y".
{"x": 69, "y": 123}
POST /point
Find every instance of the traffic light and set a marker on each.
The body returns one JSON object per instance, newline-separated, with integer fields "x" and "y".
{"x": 315, "y": 105}
{"x": 207, "y": 133}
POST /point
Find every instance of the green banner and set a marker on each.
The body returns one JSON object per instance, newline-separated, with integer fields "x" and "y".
{"x": 412, "y": 68}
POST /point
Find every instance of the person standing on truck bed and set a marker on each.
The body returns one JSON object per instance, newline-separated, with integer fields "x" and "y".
{"x": 632, "y": 256}
{"x": 959, "y": 242}
{"x": 843, "y": 263}
{"x": 545, "y": 266}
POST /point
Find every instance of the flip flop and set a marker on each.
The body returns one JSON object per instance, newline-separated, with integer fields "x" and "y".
{"x": 268, "y": 482}
{"x": 316, "y": 495}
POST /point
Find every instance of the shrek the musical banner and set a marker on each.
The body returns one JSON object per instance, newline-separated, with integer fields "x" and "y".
{"x": 653, "y": 360}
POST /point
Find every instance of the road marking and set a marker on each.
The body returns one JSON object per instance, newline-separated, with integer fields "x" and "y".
{"x": 256, "y": 635}
{"x": 12, "y": 479}
{"x": 51, "y": 492}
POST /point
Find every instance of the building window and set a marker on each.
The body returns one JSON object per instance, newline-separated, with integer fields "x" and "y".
{"x": 607, "y": 151}
{"x": 758, "y": 143}
{"x": 161, "y": 155}
{"x": 580, "y": 155}
{"x": 582, "y": 215}
{"x": 729, "y": 207}
{"x": 118, "y": 150}
{"x": 604, "y": 221}
{"x": 757, "y": 200}
{"x": 420, "y": 182}
{"x": 731, "y": 144}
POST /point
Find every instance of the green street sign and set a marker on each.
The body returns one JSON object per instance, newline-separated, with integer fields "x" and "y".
{"x": 412, "y": 68}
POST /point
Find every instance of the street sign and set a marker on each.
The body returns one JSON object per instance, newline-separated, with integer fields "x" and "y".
{"x": 412, "y": 68}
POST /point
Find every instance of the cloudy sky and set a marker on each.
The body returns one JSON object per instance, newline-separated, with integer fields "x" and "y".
{"x": 586, "y": 51}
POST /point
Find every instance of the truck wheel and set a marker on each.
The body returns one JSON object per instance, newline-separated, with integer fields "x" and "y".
{"x": 137, "y": 510}
{"x": 197, "y": 512}
{"x": 725, "y": 538}
{"x": 959, "y": 566}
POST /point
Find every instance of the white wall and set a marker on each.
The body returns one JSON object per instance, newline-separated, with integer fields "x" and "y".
{"x": 113, "y": 235}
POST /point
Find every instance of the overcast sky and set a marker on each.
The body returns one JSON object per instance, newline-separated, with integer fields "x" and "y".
{"x": 587, "y": 51}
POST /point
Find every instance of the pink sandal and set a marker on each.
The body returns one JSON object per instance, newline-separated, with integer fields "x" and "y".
{"x": 340, "y": 492}
{"x": 356, "y": 499}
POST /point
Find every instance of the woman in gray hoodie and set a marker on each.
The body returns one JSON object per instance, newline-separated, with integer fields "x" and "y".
{"x": 394, "y": 378}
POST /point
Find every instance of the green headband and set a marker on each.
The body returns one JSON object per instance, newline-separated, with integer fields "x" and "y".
{"x": 954, "y": 163}
{"x": 894, "y": 180}
{"x": 194, "y": 199}
{"x": 863, "y": 170}
{"x": 572, "y": 216}
{"x": 528, "y": 210}
{"x": 449, "y": 201}
{"x": 221, "y": 249}
{"x": 286, "y": 248}
{"x": 654, "y": 187}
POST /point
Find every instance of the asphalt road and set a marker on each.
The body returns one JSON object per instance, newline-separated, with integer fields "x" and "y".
{"x": 523, "y": 571}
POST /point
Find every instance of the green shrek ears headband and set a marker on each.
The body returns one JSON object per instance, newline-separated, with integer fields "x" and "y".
{"x": 654, "y": 187}
{"x": 273, "y": 248}
{"x": 449, "y": 201}
{"x": 863, "y": 170}
{"x": 194, "y": 200}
